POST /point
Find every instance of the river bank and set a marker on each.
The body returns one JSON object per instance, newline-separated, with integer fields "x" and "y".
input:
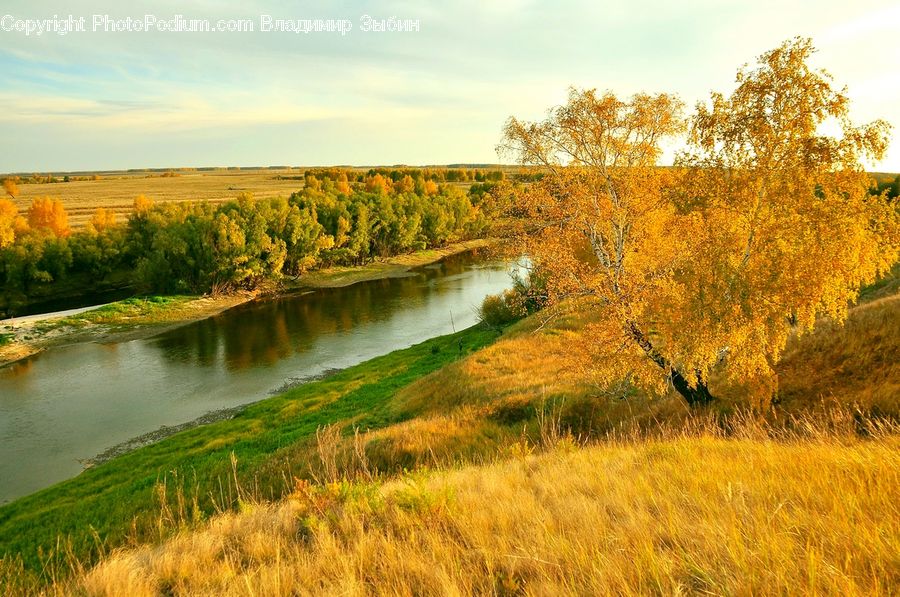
{"x": 393, "y": 267}
{"x": 136, "y": 318}
{"x": 211, "y": 417}
{"x": 249, "y": 446}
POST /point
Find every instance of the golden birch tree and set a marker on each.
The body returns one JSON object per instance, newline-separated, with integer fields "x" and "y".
{"x": 10, "y": 187}
{"x": 765, "y": 224}
{"x": 9, "y": 216}
{"x": 49, "y": 214}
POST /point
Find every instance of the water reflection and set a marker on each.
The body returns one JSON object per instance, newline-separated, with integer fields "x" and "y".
{"x": 74, "y": 402}
{"x": 267, "y": 331}
{"x": 18, "y": 369}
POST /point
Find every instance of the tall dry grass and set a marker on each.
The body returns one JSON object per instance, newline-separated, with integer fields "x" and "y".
{"x": 735, "y": 508}
{"x": 856, "y": 363}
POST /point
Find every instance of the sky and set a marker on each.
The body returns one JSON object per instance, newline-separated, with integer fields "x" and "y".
{"x": 97, "y": 100}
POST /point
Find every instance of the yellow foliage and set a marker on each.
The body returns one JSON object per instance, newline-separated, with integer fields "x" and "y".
{"x": 103, "y": 219}
{"x": 405, "y": 185}
{"x": 8, "y": 217}
{"x": 343, "y": 227}
{"x": 765, "y": 226}
{"x": 342, "y": 185}
{"x": 48, "y": 214}
{"x": 142, "y": 204}
{"x": 377, "y": 184}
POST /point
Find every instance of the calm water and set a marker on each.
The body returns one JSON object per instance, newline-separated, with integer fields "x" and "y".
{"x": 72, "y": 403}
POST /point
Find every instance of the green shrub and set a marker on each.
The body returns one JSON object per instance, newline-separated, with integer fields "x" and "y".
{"x": 497, "y": 311}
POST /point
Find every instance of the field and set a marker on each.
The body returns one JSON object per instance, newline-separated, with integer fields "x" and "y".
{"x": 116, "y": 191}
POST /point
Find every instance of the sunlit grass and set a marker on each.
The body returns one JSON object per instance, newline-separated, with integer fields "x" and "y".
{"x": 681, "y": 513}
{"x": 857, "y": 363}
{"x": 145, "y": 309}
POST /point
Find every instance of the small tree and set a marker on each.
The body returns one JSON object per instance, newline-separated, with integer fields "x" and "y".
{"x": 377, "y": 184}
{"x": 102, "y": 220}
{"x": 141, "y": 205}
{"x": 11, "y": 188}
{"x": 49, "y": 214}
{"x": 8, "y": 216}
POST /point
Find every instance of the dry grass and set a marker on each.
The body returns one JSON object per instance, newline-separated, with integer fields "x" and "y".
{"x": 687, "y": 512}
{"x": 857, "y": 363}
{"x": 116, "y": 192}
{"x": 492, "y": 399}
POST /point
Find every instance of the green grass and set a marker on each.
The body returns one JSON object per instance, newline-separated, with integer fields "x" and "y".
{"x": 147, "y": 308}
{"x": 102, "y": 504}
{"x": 338, "y": 276}
{"x": 6, "y": 339}
{"x": 885, "y": 286}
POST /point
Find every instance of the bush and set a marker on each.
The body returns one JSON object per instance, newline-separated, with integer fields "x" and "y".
{"x": 497, "y": 311}
{"x": 530, "y": 292}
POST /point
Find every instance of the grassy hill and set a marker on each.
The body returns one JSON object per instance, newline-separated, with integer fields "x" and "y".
{"x": 478, "y": 463}
{"x": 674, "y": 515}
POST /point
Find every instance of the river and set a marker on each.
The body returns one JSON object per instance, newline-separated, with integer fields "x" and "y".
{"x": 69, "y": 404}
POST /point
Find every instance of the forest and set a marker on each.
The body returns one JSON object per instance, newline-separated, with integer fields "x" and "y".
{"x": 337, "y": 218}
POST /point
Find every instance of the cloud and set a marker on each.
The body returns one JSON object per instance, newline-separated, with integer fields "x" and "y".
{"x": 472, "y": 65}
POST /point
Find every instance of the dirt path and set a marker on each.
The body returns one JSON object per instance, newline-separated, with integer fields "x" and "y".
{"x": 12, "y": 321}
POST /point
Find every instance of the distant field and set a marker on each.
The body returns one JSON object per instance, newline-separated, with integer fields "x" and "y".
{"x": 884, "y": 176}
{"x": 117, "y": 191}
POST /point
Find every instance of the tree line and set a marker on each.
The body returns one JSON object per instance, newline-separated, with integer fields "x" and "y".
{"x": 886, "y": 186}
{"x": 435, "y": 174}
{"x": 198, "y": 247}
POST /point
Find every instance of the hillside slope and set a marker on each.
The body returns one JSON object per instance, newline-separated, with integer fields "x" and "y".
{"x": 500, "y": 393}
{"x": 693, "y": 514}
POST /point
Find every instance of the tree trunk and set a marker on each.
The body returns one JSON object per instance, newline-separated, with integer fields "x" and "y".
{"x": 696, "y": 396}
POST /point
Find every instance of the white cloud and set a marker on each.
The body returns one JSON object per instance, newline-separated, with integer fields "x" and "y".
{"x": 473, "y": 64}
